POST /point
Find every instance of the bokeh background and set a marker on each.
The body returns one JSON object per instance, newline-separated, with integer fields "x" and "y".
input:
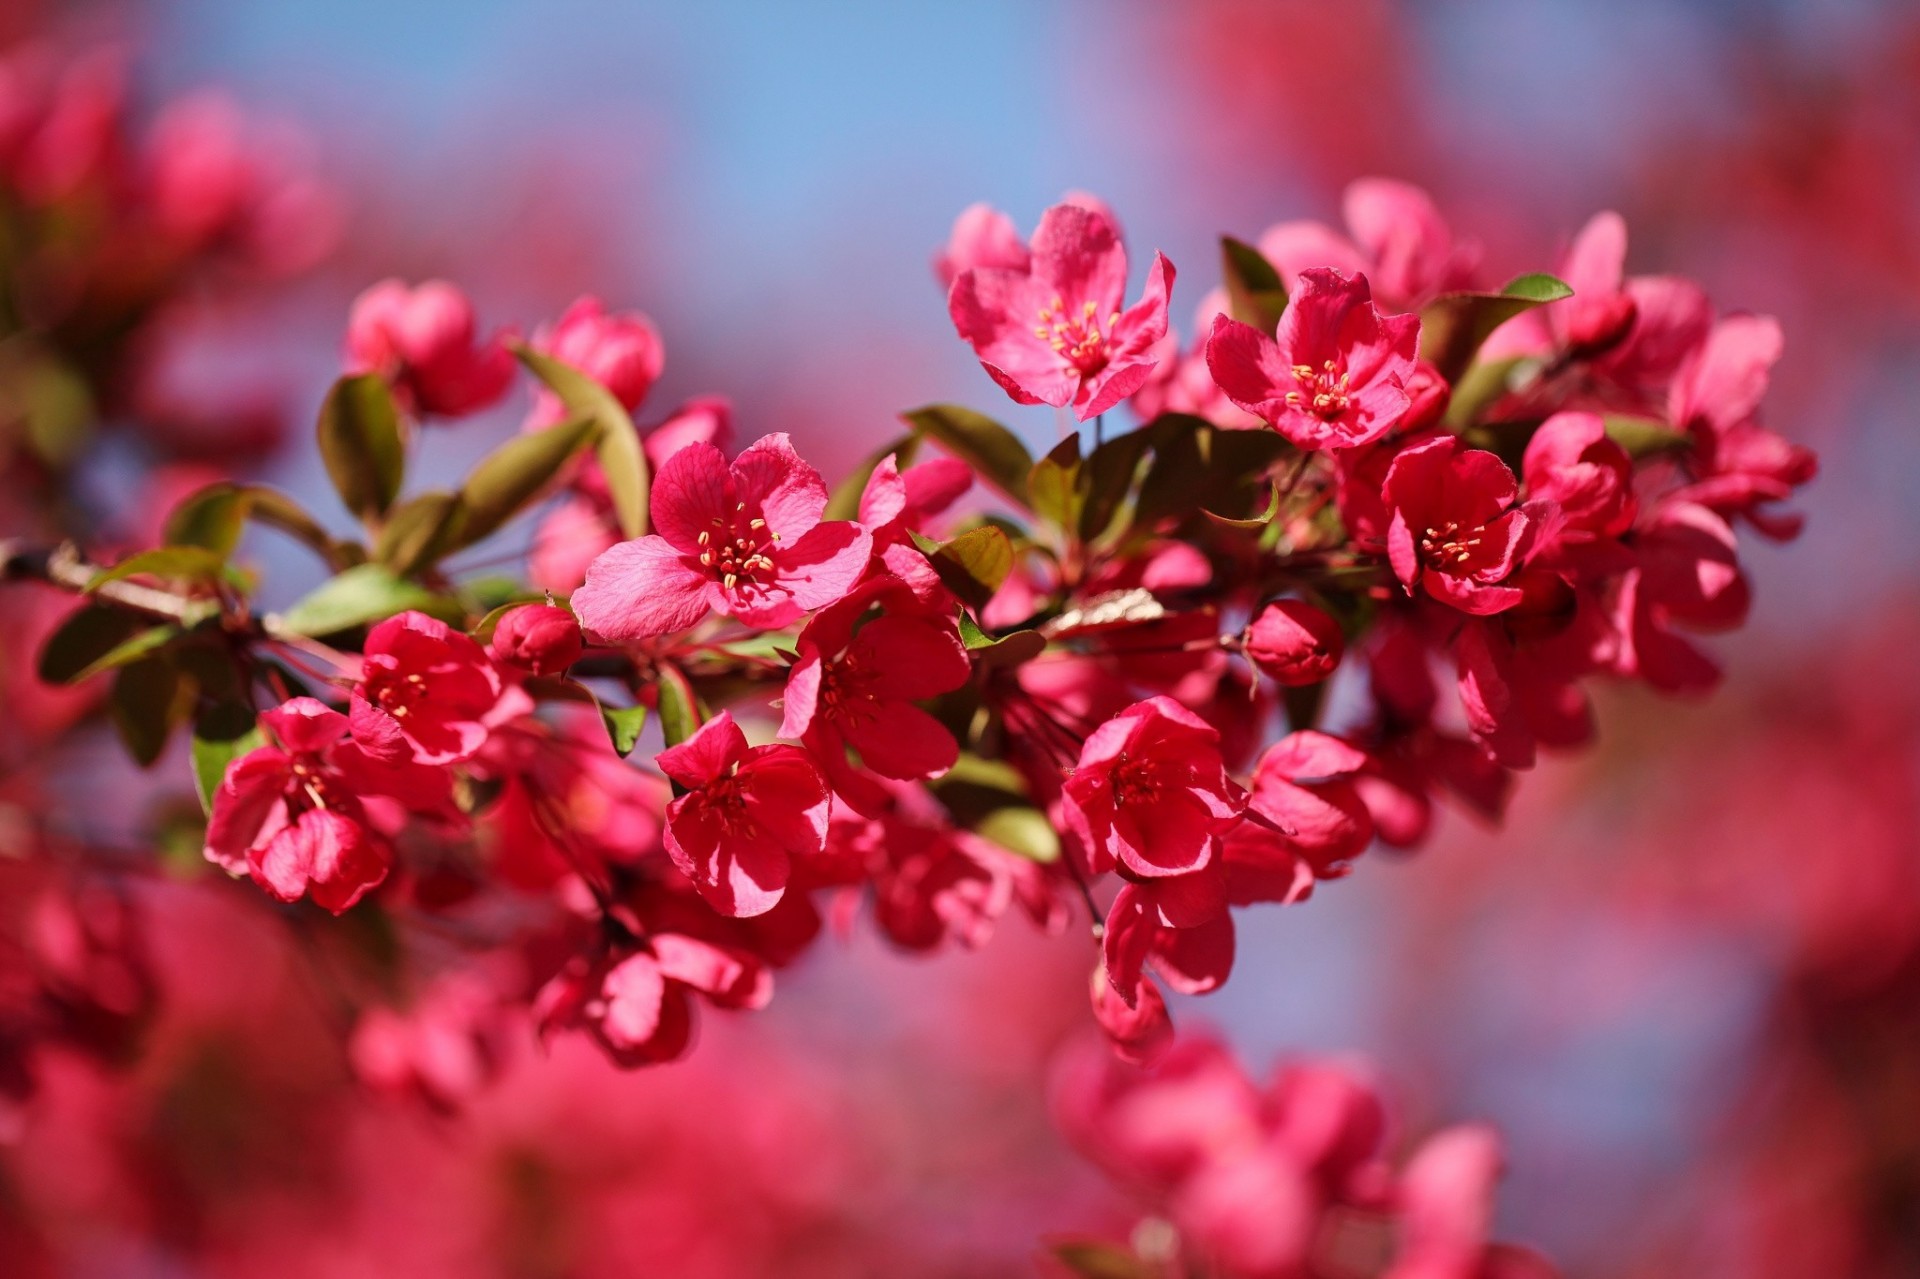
{"x": 1685, "y": 978}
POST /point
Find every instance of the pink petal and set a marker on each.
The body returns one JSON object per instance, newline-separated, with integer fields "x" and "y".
{"x": 640, "y": 589}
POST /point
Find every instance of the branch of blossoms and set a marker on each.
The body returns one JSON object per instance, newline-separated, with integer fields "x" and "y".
{"x": 1104, "y": 691}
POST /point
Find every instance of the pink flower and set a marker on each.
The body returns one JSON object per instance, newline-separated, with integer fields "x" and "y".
{"x": 1445, "y": 1203}
{"x": 983, "y": 236}
{"x": 1716, "y": 398}
{"x": 536, "y": 638}
{"x": 1571, "y": 461}
{"x": 746, "y": 814}
{"x": 428, "y": 693}
{"x": 705, "y": 419}
{"x": 1294, "y": 644}
{"x": 295, "y": 814}
{"x": 1055, "y": 333}
{"x": 930, "y": 884}
{"x": 744, "y": 540}
{"x": 1181, "y": 924}
{"x": 1335, "y": 373}
{"x": 1400, "y": 242}
{"x": 635, "y": 998}
{"x": 1454, "y": 529}
{"x": 1138, "y": 1028}
{"x": 1150, "y": 793}
{"x": 423, "y": 341}
{"x": 621, "y": 351}
{"x": 856, "y": 682}
{"x": 1304, "y": 787}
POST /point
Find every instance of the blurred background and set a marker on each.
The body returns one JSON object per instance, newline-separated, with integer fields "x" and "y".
{"x": 1685, "y": 978}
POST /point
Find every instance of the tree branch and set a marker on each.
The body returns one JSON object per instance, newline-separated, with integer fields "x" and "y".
{"x": 65, "y": 567}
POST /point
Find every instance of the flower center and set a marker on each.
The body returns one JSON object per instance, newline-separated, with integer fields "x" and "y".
{"x": 313, "y": 786}
{"x": 844, "y": 694}
{"x": 1447, "y": 544}
{"x": 1132, "y": 780}
{"x": 737, "y": 552}
{"x": 1077, "y": 339}
{"x": 398, "y": 696}
{"x": 1322, "y": 392}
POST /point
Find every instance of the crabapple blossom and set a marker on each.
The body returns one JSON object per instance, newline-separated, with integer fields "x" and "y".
{"x": 744, "y": 539}
{"x": 1294, "y": 644}
{"x": 1334, "y": 374}
{"x": 428, "y": 693}
{"x": 747, "y": 815}
{"x": 424, "y": 339}
{"x": 1056, "y": 332}
{"x": 1150, "y": 792}
{"x": 1455, "y": 529}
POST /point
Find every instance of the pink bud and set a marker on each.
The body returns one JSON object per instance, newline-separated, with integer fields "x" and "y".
{"x": 1294, "y": 643}
{"x": 538, "y": 638}
{"x": 1429, "y": 396}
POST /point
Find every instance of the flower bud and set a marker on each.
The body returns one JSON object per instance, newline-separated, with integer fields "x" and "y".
{"x": 1429, "y": 395}
{"x": 1294, "y": 643}
{"x": 537, "y": 638}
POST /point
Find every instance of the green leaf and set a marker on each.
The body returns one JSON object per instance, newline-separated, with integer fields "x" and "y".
{"x": 679, "y": 709}
{"x": 131, "y": 650}
{"x": 189, "y": 563}
{"x": 149, "y": 697}
{"x": 616, "y": 442}
{"x": 1453, "y": 325}
{"x": 1094, "y": 1259}
{"x": 89, "y": 633}
{"x": 845, "y": 502}
{"x": 995, "y": 453}
{"x": 212, "y": 517}
{"x": 1645, "y": 436}
{"x": 360, "y": 442}
{"x": 1022, "y": 830}
{"x": 213, "y": 752}
{"x": 974, "y": 564}
{"x": 1008, "y": 650}
{"x": 1198, "y": 467}
{"x": 1255, "y": 293}
{"x": 1054, "y": 485}
{"x": 1261, "y": 520}
{"x": 1479, "y": 388}
{"x": 515, "y": 474}
{"x": 1304, "y": 705}
{"x": 420, "y": 531}
{"x": 1107, "y": 478}
{"x": 361, "y": 595}
{"x": 623, "y": 724}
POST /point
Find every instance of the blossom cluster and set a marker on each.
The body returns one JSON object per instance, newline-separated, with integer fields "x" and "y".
{"x": 1472, "y": 502}
{"x": 1293, "y": 1178}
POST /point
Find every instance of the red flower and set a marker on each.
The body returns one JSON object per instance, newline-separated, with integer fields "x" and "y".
{"x": 855, "y": 684}
{"x": 748, "y": 812}
{"x": 1589, "y": 477}
{"x": 428, "y": 693}
{"x": 422, "y": 340}
{"x": 1716, "y": 398}
{"x": 1400, "y": 241}
{"x": 1454, "y": 530}
{"x": 745, "y": 540}
{"x": 635, "y": 998}
{"x": 536, "y": 638}
{"x": 1294, "y": 644}
{"x": 1334, "y": 374}
{"x": 1304, "y": 787}
{"x": 1151, "y": 793}
{"x": 1055, "y": 332}
{"x": 295, "y": 814}
{"x": 621, "y": 351}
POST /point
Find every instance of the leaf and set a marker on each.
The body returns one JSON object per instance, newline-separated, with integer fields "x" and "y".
{"x": 1304, "y": 705}
{"x": 1106, "y": 480}
{"x": 360, "y": 442}
{"x": 420, "y": 531}
{"x": 845, "y": 502}
{"x": 89, "y": 633}
{"x": 191, "y": 563}
{"x": 1479, "y": 388}
{"x": 1008, "y": 650}
{"x": 1094, "y": 1259}
{"x": 623, "y": 725}
{"x": 1198, "y": 467}
{"x": 149, "y": 697}
{"x": 1255, "y": 293}
{"x": 1053, "y": 485}
{"x": 513, "y": 475}
{"x": 974, "y": 564}
{"x": 995, "y": 453}
{"x": 130, "y": 650}
{"x": 1453, "y": 325}
{"x": 213, "y": 752}
{"x": 616, "y": 442}
{"x": 1022, "y": 830}
{"x": 361, "y": 595}
{"x": 1261, "y": 520}
{"x": 1645, "y": 436}
{"x": 679, "y": 708}
{"x": 213, "y": 518}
